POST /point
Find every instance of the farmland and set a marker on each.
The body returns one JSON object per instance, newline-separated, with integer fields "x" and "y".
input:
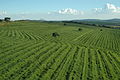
{"x": 28, "y": 51}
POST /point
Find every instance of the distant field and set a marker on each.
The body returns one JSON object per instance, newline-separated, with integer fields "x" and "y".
{"x": 28, "y": 51}
{"x": 116, "y": 26}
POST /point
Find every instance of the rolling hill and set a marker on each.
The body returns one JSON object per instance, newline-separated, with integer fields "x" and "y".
{"x": 29, "y": 51}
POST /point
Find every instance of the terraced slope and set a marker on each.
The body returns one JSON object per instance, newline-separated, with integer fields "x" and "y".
{"x": 29, "y": 52}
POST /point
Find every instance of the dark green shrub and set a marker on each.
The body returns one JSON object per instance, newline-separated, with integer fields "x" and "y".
{"x": 7, "y": 19}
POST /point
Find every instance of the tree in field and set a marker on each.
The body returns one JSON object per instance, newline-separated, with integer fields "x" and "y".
{"x": 55, "y": 34}
{"x": 79, "y": 29}
{"x": 100, "y": 29}
{"x": 65, "y": 24}
{"x": 1, "y": 20}
{"x": 7, "y": 19}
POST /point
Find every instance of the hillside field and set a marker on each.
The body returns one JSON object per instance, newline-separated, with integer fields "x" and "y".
{"x": 28, "y": 51}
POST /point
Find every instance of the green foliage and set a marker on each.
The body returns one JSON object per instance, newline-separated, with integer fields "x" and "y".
{"x": 29, "y": 52}
{"x": 79, "y": 29}
{"x": 7, "y": 19}
{"x": 55, "y": 34}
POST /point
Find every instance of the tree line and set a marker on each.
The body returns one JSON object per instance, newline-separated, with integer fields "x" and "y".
{"x": 6, "y": 19}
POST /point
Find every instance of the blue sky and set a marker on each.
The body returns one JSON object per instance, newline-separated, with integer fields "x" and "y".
{"x": 60, "y": 9}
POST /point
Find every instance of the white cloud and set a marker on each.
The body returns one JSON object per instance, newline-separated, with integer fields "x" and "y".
{"x": 112, "y": 8}
{"x": 70, "y": 11}
{"x": 108, "y": 8}
{"x": 67, "y": 11}
{"x": 49, "y": 12}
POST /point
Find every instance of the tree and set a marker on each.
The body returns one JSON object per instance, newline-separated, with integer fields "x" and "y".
{"x": 79, "y": 29}
{"x": 1, "y": 20}
{"x": 7, "y": 19}
{"x": 55, "y": 34}
{"x": 100, "y": 29}
{"x": 65, "y": 24}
